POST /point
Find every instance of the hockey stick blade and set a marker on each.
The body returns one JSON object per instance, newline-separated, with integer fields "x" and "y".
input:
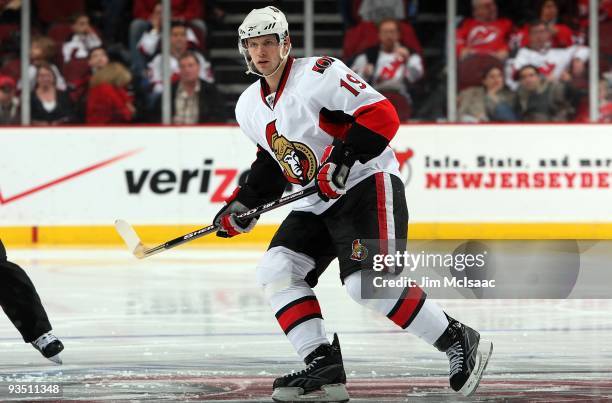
{"x": 140, "y": 251}
{"x": 130, "y": 238}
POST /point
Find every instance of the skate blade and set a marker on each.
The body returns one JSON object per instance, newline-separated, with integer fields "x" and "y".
{"x": 485, "y": 349}
{"x": 56, "y": 359}
{"x": 328, "y": 393}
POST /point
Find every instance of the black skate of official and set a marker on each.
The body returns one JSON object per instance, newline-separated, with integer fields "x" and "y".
{"x": 468, "y": 355}
{"x": 323, "y": 379}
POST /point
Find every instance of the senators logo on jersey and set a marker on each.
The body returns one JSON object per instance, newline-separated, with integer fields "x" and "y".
{"x": 297, "y": 159}
{"x": 360, "y": 252}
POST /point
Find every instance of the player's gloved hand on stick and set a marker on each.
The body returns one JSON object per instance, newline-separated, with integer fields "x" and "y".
{"x": 229, "y": 224}
{"x": 332, "y": 175}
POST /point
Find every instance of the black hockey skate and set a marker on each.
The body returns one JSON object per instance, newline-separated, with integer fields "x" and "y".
{"x": 49, "y": 346}
{"x": 467, "y": 353}
{"x": 323, "y": 379}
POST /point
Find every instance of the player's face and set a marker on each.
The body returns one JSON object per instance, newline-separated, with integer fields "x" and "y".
{"x": 265, "y": 53}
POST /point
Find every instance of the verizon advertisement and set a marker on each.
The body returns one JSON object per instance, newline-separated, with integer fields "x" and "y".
{"x": 93, "y": 176}
{"x": 154, "y": 175}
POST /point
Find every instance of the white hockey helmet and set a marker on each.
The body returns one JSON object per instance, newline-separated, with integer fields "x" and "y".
{"x": 259, "y": 22}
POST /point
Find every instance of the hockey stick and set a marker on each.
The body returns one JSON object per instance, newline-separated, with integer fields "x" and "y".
{"x": 135, "y": 245}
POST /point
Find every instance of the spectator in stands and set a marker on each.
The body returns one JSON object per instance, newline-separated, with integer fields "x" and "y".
{"x": 42, "y": 51}
{"x": 108, "y": 100}
{"x": 193, "y": 99}
{"x": 567, "y": 64}
{"x": 147, "y": 17}
{"x": 605, "y": 106}
{"x": 150, "y": 41}
{"x": 9, "y": 103}
{"x": 605, "y": 102}
{"x": 98, "y": 58}
{"x": 178, "y": 47}
{"x": 541, "y": 100}
{"x": 485, "y": 33}
{"x": 83, "y": 39}
{"x": 49, "y": 106}
{"x": 139, "y": 25}
{"x": 366, "y": 34}
{"x": 491, "y": 102}
{"x": 562, "y": 35}
{"x": 390, "y": 67}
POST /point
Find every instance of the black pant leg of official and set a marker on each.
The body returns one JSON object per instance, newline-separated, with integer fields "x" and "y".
{"x": 20, "y": 301}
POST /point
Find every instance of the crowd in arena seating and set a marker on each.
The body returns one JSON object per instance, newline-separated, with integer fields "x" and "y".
{"x": 99, "y": 62}
{"x": 530, "y": 72}
{"x": 89, "y": 73}
{"x": 529, "y": 68}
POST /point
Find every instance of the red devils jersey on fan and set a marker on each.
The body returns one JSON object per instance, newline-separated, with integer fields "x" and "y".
{"x": 484, "y": 37}
{"x": 316, "y": 101}
{"x": 551, "y": 62}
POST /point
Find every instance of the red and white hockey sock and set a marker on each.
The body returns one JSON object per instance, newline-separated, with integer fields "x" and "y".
{"x": 420, "y": 316}
{"x": 281, "y": 274}
{"x": 411, "y": 311}
{"x": 301, "y": 320}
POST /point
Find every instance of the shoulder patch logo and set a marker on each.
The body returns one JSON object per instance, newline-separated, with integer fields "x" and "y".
{"x": 297, "y": 159}
{"x": 322, "y": 64}
{"x": 360, "y": 252}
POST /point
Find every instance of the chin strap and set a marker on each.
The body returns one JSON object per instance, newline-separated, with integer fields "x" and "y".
{"x": 253, "y": 70}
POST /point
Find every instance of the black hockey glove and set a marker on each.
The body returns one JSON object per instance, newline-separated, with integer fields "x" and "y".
{"x": 331, "y": 177}
{"x": 229, "y": 224}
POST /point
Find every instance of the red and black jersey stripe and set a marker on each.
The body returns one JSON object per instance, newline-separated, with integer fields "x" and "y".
{"x": 297, "y": 312}
{"x": 408, "y": 306}
{"x": 265, "y": 89}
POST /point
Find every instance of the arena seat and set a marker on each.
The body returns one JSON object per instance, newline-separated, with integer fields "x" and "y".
{"x": 365, "y": 35}
{"x": 471, "y": 69}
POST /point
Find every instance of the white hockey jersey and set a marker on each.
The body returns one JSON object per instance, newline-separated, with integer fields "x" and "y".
{"x": 79, "y": 46}
{"x": 292, "y": 124}
{"x": 551, "y": 62}
{"x": 391, "y": 70}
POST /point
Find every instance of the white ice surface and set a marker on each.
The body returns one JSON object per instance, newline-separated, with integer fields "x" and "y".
{"x": 192, "y": 325}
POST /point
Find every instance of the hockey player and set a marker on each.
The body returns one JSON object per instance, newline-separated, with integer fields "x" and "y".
{"x": 22, "y": 305}
{"x": 316, "y": 123}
